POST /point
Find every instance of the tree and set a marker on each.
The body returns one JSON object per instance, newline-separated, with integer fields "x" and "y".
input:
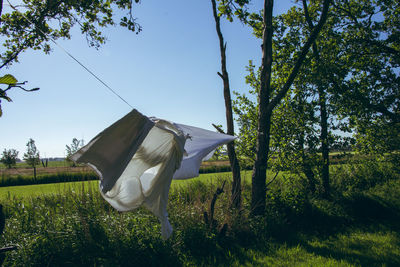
{"x": 32, "y": 157}
{"x": 269, "y": 98}
{"x": 269, "y": 95}
{"x": 35, "y": 24}
{"x": 369, "y": 95}
{"x": 233, "y": 160}
{"x": 75, "y": 146}
{"x": 294, "y": 140}
{"x": 9, "y": 157}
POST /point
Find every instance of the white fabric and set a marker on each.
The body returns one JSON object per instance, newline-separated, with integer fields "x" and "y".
{"x": 200, "y": 146}
{"x": 146, "y": 177}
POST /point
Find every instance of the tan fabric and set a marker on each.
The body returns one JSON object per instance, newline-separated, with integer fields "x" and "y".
{"x": 110, "y": 151}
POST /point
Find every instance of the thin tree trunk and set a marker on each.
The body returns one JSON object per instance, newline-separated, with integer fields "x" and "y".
{"x": 305, "y": 165}
{"x": 324, "y": 141}
{"x": 236, "y": 183}
{"x": 323, "y": 113}
{"x": 34, "y": 173}
{"x": 258, "y": 179}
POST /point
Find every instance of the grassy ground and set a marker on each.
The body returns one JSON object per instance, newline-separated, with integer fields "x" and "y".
{"x": 357, "y": 226}
{"x": 57, "y": 172}
{"x": 27, "y": 191}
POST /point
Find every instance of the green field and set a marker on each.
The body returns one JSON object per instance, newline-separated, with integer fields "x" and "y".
{"x": 28, "y": 191}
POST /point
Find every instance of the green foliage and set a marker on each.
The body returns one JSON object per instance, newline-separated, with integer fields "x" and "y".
{"x": 378, "y": 136}
{"x": 75, "y": 146}
{"x": 246, "y": 112}
{"x": 11, "y": 82}
{"x": 7, "y": 79}
{"x": 369, "y": 89}
{"x": 353, "y": 71}
{"x": 237, "y": 8}
{"x": 353, "y": 178}
{"x": 31, "y": 156}
{"x": 35, "y": 23}
{"x": 9, "y": 158}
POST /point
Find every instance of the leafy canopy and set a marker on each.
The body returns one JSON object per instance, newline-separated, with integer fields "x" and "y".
{"x": 73, "y": 148}
{"x": 9, "y": 158}
{"x": 34, "y": 23}
{"x": 31, "y": 157}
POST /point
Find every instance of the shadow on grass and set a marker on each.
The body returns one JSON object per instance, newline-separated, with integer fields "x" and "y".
{"x": 362, "y": 230}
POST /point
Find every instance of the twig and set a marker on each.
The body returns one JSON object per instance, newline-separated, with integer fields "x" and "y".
{"x": 209, "y": 220}
{"x": 10, "y": 248}
{"x": 218, "y": 128}
{"x": 273, "y": 179}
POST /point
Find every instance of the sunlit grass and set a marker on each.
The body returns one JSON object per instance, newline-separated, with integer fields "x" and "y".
{"x": 24, "y": 191}
{"x": 70, "y": 224}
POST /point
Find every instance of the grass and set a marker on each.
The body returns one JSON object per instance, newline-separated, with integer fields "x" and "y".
{"x": 72, "y": 225}
{"x": 27, "y": 191}
{"x": 60, "y": 172}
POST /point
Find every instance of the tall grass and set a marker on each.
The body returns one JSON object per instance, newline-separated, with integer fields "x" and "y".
{"x": 77, "y": 227}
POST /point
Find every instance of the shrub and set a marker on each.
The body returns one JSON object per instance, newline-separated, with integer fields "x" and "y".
{"x": 362, "y": 176}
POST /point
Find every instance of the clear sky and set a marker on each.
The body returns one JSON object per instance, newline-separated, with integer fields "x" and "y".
{"x": 169, "y": 70}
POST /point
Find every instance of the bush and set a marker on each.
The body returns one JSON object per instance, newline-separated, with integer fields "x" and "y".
{"x": 362, "y": 176}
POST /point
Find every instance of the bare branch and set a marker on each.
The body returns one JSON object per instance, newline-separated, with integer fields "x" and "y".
{"x": 218, "y": 129}
{"x": 273, "y": 179}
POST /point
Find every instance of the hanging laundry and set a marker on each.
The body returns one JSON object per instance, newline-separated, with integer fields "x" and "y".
{"x": 137, "y": 157}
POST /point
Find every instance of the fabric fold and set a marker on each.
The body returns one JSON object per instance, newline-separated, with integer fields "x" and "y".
{"x": 137, "y": 157}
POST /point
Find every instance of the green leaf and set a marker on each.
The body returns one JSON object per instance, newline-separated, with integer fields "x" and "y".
{"x": 8, "y": 79}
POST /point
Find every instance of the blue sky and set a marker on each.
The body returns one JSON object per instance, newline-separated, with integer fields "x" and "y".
{"x": 168, "y": 71}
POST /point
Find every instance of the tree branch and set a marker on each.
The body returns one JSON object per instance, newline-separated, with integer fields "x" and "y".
{"x": 273, "y": 179}
{"x": 218, "y": 129}
{"x": 313, "y": 36}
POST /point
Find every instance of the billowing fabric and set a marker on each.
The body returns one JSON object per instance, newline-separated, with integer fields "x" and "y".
{"x": 136, "y": 159}
{"x": 200, "y": 146}
{"x": 112, "y": 149}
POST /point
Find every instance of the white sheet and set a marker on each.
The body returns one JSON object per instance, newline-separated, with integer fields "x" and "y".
{"x": 155, "y": 155}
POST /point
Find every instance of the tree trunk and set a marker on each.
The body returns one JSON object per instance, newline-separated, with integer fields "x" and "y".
{"x": 34, "y": 173}
{"x": 267, "y": 105}
{"x": 323, "y": 113}
{"x": 324, "y": 142}
{"x": 258, "y": 178}
{"x": 236, "y": 183}
{"x": 305, "y": 164}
